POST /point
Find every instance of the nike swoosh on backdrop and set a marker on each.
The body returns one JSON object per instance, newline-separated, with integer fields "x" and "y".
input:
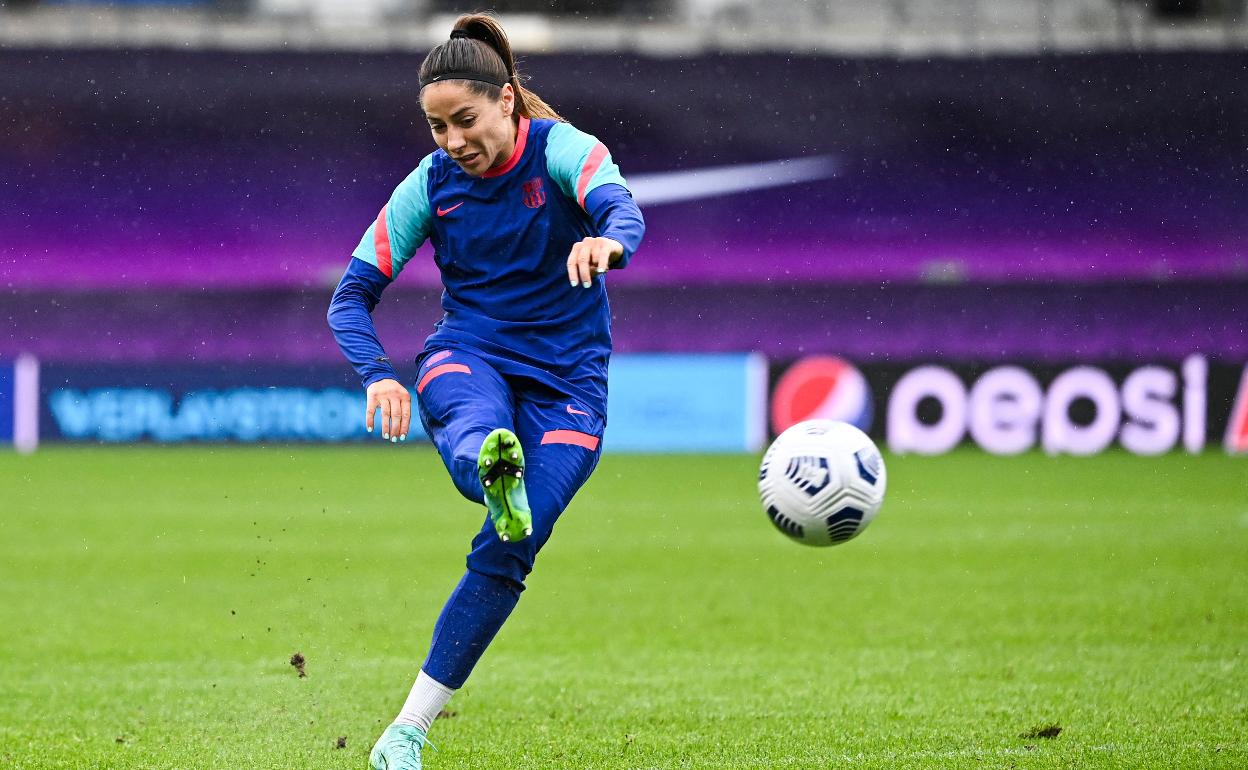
{"x": 443, "y": 212}
{"x": 698, "y": 183}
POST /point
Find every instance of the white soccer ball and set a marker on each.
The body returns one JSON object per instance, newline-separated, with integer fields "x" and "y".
{"x": 822, "y": 482}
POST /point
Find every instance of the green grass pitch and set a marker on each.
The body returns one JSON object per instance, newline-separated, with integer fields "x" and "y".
{"x": 1027, "y": 612}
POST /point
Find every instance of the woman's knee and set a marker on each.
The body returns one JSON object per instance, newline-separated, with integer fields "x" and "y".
{"x": 509, "y": 562}
{"x": 463, "y": 472}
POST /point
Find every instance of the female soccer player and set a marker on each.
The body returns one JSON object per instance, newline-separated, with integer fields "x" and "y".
{"x": 526, "y": 214}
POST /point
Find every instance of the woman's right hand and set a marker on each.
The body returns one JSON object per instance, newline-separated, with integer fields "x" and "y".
{"x": 396, "y": 408}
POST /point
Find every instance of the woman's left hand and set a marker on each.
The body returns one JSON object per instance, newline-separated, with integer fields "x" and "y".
{"x": 592, "y": 256}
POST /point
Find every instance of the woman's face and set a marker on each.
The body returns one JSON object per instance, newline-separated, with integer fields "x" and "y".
{"x": 475, "y": 131}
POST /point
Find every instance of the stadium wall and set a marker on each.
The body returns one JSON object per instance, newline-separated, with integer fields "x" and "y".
{"x": 174, "y": 208}
{"x": 214, "y": 170}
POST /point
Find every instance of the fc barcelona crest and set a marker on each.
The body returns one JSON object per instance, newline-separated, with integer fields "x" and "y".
{"x": 534, "y": 195}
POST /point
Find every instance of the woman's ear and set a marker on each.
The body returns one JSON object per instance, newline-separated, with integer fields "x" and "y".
{"x": 508, "y": 96}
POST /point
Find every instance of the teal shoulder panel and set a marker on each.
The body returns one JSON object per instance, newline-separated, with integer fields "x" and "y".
{"x": 401, "y": 227}
{"x": 578, "y": 162}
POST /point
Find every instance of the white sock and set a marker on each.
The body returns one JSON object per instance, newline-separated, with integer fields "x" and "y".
{"x": 426, "y": 699}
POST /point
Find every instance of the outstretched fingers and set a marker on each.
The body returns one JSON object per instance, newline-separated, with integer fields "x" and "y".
{"x": 395, "y": 404}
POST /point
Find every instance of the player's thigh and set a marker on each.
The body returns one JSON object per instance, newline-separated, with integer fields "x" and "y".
{"x": 561, "y": 450}
{"x": 552, "y": 475}
{"x": 459, "y": 395}
{"x": 562, "y": 443}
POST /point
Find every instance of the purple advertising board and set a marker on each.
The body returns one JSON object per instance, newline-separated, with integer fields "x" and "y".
{"x": 170, "y": 169}
{"x": 1093, "y": 322}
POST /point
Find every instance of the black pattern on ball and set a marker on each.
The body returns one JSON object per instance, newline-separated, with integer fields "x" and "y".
{"x": 809, "y": 474}
{"x": 785, "y": 524}
{"x": 843, "y": 524}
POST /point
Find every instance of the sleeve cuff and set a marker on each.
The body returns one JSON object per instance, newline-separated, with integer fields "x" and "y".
{"x": 383, "y": 374}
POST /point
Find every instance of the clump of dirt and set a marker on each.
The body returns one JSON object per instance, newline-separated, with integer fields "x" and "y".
{"x": 444, "y": 714}
{"x": 297, "y": 660}
{"x": 341, "y": 743}
{"x": 1046, "y": 731}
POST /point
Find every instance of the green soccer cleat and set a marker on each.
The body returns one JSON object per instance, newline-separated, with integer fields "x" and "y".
{"x": 500, "y": 466}
{"x": 398, "y": 748}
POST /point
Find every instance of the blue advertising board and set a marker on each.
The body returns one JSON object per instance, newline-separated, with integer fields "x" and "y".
{"x": 687, "y": 403}
{"x": 659, "y": 403}
{"x": 214, "y": 403}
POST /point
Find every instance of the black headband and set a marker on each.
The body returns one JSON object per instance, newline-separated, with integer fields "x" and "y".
{"x": 478, "y": 76}
{"x": 481, "y": 77}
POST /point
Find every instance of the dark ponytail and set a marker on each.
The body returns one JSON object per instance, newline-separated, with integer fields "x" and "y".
{"x": 479, "y": 45}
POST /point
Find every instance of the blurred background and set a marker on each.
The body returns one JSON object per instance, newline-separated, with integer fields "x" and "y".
{"x": 1020, "y": 224}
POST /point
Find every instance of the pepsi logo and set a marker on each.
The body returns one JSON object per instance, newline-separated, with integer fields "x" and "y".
{"x": 821, "y": 388}
{"x": 1237, "y": 428}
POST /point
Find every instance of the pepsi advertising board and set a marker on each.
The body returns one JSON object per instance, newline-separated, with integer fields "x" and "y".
{"x": 1080, "y": 409}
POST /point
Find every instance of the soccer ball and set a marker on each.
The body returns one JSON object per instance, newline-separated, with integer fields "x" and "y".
{"x": 822, "y": 482}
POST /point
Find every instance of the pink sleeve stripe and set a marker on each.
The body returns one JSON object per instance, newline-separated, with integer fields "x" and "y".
{"x": 574, "y": 437}
{"x": 590, "y": 168}
{"x": 438, "y": 371}
{"x": 381, "y": 244}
